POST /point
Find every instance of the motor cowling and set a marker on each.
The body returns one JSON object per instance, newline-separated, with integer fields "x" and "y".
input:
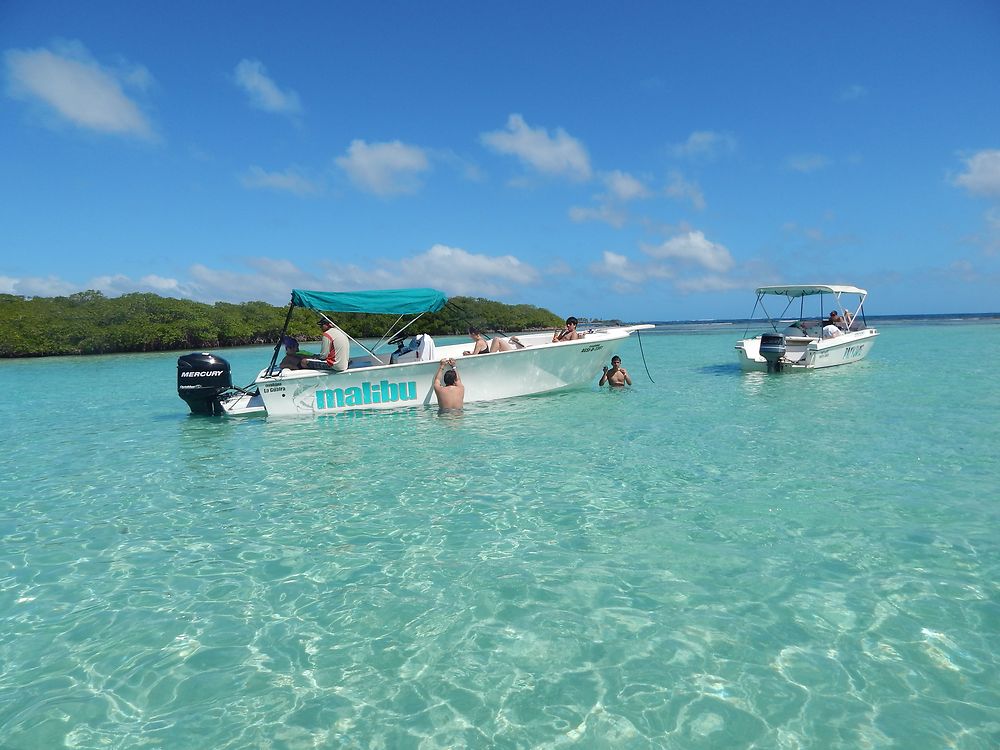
{"x": 201, "y": 379}
{"x": 772, "y": 348}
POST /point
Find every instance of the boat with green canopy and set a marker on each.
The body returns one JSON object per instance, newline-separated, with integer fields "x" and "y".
{"x": 373, "y": 377}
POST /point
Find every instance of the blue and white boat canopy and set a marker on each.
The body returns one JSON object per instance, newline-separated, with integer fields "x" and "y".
{"x": 385, "y": 301}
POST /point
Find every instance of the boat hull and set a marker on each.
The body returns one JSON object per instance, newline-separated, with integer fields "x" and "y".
{"x": 810, "y": 354}
{"x": 540, "y": 367}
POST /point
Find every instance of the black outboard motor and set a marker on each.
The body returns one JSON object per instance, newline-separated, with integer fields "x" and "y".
{"x": 772, "y": 348}
{"x": 201, "y": 379}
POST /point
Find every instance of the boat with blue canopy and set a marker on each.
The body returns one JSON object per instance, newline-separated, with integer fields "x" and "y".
{"x": 376, "y": 378}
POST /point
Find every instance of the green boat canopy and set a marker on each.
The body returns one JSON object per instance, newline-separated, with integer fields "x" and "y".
{"x": 391, "y": 301}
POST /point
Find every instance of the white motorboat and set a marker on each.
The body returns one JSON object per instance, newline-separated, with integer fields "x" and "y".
{"x": 797, "y": 342}
{"x": 403, "y": 377}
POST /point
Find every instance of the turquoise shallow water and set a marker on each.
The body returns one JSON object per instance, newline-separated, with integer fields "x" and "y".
{"x": 716, "y": 560}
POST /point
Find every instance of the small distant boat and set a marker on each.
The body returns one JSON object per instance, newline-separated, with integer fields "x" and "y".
{"x": 797, "y": 342}
{"x": 402, "y": 377}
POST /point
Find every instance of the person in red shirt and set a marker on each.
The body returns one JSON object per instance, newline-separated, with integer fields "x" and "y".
{"x": 336, "y": 349}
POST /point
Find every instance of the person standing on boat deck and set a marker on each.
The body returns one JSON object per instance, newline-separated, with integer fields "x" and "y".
{"x": 617, "y": 376}
{"x": 836, "y": 320}
{"x": 336, "y": 349}
{"x": 569, "y": 333}
{"x": 482, "y": 346}
{"x": 450, "y": 393}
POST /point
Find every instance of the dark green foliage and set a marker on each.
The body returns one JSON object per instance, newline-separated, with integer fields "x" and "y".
{"x": 90, "y": 323}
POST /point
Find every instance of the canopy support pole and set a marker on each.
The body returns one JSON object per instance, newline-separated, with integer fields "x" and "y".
{"x": 281, "y": 337}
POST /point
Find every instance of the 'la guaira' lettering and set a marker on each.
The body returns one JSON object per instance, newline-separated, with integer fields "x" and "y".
{"x": 368, "y": 393}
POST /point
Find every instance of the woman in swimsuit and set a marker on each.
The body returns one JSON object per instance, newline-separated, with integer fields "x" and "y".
{"x": 482, "y": 346}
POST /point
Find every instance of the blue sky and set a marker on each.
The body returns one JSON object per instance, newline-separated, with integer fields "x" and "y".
{"x": 644, "y": 161}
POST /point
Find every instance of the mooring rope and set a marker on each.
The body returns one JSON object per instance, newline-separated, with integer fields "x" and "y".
{"x": 638, "y": 335}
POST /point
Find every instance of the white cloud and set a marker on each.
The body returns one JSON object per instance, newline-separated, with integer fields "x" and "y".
{"x": 110, "y": 285}
{"x": 993, "y": 220}
{"x": 705, "y": 144}
{"x": 261, "y": 278}
{"x": 258, "y": 279}
{"x": 812, "y": 234}
{"x": 450, "y": 269}
{"x": 619, "y": 267}
{"x": 606, "y": 213}
{"x": 560, "y": 155}
{"x": 625, "y": 274}
{"x": 621, "y": 188}
{"x": 982, "y": 173}
{"x": 80, "y": 90}
{"x": 681, "y": 189}
{"x": 710, "y": 283}
{"x": 991, "y": 245}
{"x": 114, "y": 285}
{"x": 458, "y": 271}
{"x": 693, "y": 248}
{"x": 118, "y": 284}
{"x": 160, "y": 284}
{"x": 853, "y": 92}
{"x": 384, "y": 168}
{"x": 806, "y": 163}
{"x": 48, "y": 286}
{"x": 560, "y": 267}
{"x": 624, "y": 187}
{"x": 453, "y": 270}
{"x": 264, "y": 93}
{"x": 291, "y": 181}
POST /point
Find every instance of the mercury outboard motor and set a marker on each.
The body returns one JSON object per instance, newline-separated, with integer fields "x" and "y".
{"x": 772, "y": 348}
{"x": 201, "y": 379}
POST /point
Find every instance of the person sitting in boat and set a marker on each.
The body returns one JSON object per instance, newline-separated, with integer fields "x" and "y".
{"x": 836, "y": 320}
{"x": 482, "y": 346}
{"x": 569, "y": 333}
{"x": 832, "y": 326}
{"x": 501, "y": 344}
{"x": 450, "y": 393}
{"x": 294, "y": 360}
{"x": 335, "y": 351}
{"x": 400, "y": 351}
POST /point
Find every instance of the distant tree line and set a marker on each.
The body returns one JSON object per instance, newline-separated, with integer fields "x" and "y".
{"x": 90, "y": 323}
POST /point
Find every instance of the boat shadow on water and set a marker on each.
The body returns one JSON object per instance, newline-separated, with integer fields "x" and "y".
{"x": 722, "y": 370}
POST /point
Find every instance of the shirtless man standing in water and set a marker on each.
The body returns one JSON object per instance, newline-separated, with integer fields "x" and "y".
{"x": 617, "y": 376}
{"x": 451, "y": 393}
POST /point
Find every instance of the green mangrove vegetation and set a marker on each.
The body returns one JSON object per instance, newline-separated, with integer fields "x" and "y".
{"x": 90, "y": 323}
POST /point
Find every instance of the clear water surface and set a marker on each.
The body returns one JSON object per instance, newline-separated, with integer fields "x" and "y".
{"x": 713, "y": 560}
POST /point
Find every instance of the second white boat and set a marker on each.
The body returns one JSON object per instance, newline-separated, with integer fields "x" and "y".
{"x": 800, "y": 343}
